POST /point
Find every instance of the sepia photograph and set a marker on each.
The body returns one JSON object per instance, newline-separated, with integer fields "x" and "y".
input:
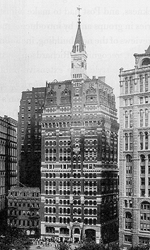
{"x": 74, "y": 124}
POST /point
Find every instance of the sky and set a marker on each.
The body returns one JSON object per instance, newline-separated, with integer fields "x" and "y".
{"x": 36, "y": 38}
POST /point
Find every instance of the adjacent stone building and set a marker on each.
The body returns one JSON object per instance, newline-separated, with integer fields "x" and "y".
{"x": 79, "y": 172}
{"x": 134, "y": 153}
{"x": 8, "y": 160}
{"x": 29, "y": 137}
{"x": 24, "y": 209}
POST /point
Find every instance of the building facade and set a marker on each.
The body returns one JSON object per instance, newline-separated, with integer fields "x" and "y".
{"x": 24, "y": 209}
{"x": 29, "y": 137}
{"x": 134, "y": 152}
{"x": 8, "y": 159}
{"x": 79, "y": 173}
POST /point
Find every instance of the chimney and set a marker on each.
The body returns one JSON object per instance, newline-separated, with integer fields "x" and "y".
{"x": 101, "y": 78}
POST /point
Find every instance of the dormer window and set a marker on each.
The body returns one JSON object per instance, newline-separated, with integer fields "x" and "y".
{"x": 146, "y": 61}
{"x": 77, "y": 47}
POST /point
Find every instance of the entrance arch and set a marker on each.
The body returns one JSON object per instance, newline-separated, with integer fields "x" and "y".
{"x": 76, "y": 234}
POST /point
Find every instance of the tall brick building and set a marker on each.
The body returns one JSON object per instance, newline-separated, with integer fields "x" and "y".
{"x": 29, "y": 137}
{"x": 79, "y": 173}
{"x": 8, "y": 159}
{"x": 134, "y": 152}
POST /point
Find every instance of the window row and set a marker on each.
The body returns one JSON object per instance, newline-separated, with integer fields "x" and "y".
{"x": 25, "y": 213}
{"x": 64, "y": 210}
{"x": 143, "y": 192}
{"x": 144, "y": 140}
{"x": 50, "y": 210}
{"x": 50, "y": 183}
{"x": 50, "y": 201}
{"x": 144, "y": 118}
{"x": 23, "y": 204}
{"x": 50, "y": 150}
{"x": 24, "y": 223}
{"x": 67, "y": 175}
{"x": 130, "y": 82}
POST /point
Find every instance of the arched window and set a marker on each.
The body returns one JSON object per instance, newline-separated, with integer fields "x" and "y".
{"x": 141, "y": 140}
{"x": 141, "y": 118}
{"x": 126, "y": 119}
{"x": 131, "y": 85}
{"x": 146, "y": 82}
{"x": 126, "y": 85}
{"x": 146, "y": 140}
{"x": 131, "y": 119}
{"x": 141, "y": 83}
{"x": 131, "y": 141}
{"x": 146, "y": 117}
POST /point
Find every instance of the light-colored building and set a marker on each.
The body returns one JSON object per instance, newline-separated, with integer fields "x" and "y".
{"x": 134, "y": 152}
{"x": 24, "y": 209}
{"x": 79, "y": 172}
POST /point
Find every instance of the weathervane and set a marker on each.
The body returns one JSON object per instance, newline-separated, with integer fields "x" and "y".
{"x": 78, "y": 8}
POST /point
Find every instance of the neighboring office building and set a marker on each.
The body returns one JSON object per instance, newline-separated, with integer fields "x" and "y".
{"x": 134, "y": 152}
{"x": 8, "y": 160}
{"x": 24, "y": 209}
{"x": 29, "y": 137}
{"x": 79, "y": 172}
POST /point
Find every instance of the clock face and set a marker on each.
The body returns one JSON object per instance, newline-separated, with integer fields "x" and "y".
{"x": 77, "y": 64}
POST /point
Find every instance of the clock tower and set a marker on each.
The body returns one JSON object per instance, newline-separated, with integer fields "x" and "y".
{"x": 78, "y": 55}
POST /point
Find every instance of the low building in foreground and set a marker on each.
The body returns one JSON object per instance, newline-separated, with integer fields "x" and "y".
{"x": 24, "y": 209}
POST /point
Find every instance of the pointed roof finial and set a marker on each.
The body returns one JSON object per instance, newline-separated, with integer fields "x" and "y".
{"x": 78, "y": 8}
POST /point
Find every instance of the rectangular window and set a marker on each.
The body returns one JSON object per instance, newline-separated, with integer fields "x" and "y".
{"x": 142, "y": 192}
{"x": 128, "y": 191}
{"x": 142, "y": 181}
{"x": 142, "y": 169}
{"x": 141, "y": 100}
{"x": 126, "y": 142}
{"x": 126, "y": 85}
{"x": 141, "y": 118}
{"x": 131, "y": 101}
{"x": 146, "y": 99}
{"x": 131, "y": 85}
{"x": 126, "y": 119}
{"x": 128, "y": 238}
{"x": 126, "y": 102}
{"x": 141, "y": 83}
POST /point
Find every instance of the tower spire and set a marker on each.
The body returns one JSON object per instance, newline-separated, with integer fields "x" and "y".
{"x": 78, "y": 53}
{"x": 79, "y": 39}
